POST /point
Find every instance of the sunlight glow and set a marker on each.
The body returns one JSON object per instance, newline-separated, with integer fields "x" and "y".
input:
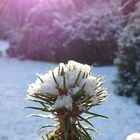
{"x": 59, "y": 2}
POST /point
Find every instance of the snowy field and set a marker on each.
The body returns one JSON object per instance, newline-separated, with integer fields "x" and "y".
{"x": 15, "y": 75}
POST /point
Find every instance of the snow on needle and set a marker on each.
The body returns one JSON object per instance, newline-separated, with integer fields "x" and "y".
{"x": 65, "y": 94}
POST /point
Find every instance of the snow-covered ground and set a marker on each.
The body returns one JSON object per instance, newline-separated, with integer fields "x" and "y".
{"x": 15, "y": 75}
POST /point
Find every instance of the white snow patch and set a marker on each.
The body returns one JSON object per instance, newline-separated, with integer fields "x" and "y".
{"x": 134, "y": 136}
{"x": 4, "y": 45}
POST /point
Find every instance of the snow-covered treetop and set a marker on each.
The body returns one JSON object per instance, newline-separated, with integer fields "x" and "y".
{"x": 67, "y": 82}
{"x": 131, "y": 33}
{"x": 97, "y": 23}
{"x": 94, "y": 24}
{"x": 65, "y": 93}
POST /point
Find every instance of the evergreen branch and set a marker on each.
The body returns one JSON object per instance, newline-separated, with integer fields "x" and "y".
{"x": 96, "y": 115}
{"x": 76, "y": 81}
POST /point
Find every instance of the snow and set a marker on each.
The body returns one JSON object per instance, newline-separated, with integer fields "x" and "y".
{"x": 15, "y": 75}
{"x": 3, "y": 46}
{"x": 134, "y": 136}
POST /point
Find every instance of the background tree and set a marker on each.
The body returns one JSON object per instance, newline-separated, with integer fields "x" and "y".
{"x": 60, "y": 30}
{"x": 128, "y": 60}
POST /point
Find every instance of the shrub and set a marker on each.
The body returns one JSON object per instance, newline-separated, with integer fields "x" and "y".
{"x": 128, "y": 60}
